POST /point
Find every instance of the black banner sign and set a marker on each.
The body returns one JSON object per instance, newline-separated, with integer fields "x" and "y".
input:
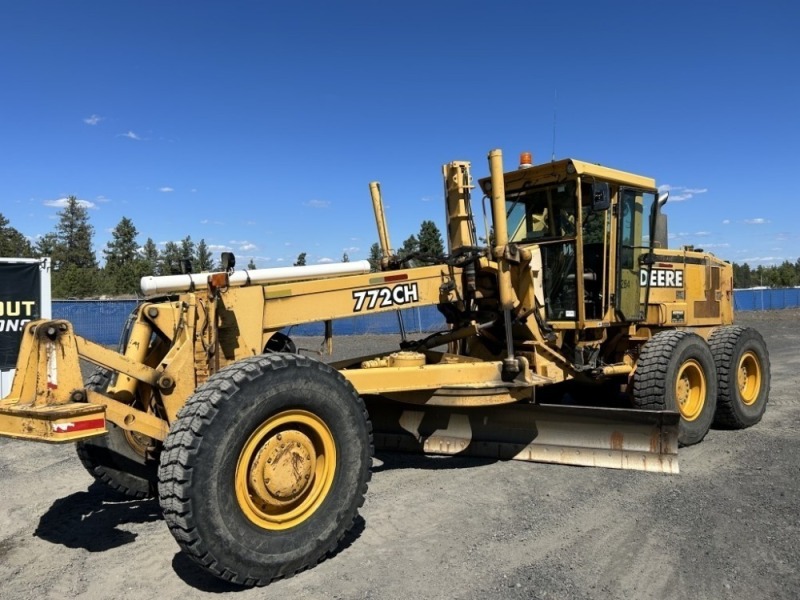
{"x": 20, "y": 302}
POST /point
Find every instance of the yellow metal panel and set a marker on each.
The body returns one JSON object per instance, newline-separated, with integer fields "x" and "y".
{"x": 235, "y": 311}
{"x": 323, "y": 299}
{"x": 55, "y": 424}
{"x": 475, "y": 375}
{"x": 130, "y": 418}
{"x": 115, "y": 361}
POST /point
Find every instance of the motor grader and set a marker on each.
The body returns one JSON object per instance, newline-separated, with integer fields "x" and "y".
{"x": 260, "y": 456}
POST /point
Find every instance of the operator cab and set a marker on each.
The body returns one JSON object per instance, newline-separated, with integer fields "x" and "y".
{"x": 573, "y": 213}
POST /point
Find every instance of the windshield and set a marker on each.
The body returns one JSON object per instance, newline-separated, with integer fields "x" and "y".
{"x": 541, "y": 213}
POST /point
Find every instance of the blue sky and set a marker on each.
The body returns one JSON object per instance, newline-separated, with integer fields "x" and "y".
{"x": 258, "y": 126}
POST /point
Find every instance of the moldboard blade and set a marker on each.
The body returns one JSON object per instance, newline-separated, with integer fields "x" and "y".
{"x": 573, "y": 435}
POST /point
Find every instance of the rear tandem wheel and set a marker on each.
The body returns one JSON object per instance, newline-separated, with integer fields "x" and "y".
{"x": 744, "y": 376}
{"x": 265, "y": 467}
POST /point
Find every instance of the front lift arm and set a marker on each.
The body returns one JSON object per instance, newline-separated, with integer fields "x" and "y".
{"x": 48, "y": 400}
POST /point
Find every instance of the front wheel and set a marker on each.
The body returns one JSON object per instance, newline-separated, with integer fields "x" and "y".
{"x": 265, "y": 467}
{"x": 676, "y": 371}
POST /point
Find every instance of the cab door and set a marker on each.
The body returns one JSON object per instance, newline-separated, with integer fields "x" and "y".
{"x": 633, "y": 242}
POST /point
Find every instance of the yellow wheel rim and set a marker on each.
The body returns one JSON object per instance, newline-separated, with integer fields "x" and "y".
{"x": 139, "y": 443}
{"x": 690, "y": 390}
{"x": 748, "y": 375}
{"x": 285, "y": 470}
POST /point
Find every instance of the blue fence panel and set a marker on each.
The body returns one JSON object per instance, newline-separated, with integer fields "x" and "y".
{"x": 766, "y": 299}
{"x": 415, "y": 320}
{"x": 101, "y": 321}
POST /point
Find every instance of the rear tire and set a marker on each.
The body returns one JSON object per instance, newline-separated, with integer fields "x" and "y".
{"x": 676, "y": 371}
{"x": 118, "y": 459}
{"x": 265, "y": 468}
{"x": 743, "y": 373}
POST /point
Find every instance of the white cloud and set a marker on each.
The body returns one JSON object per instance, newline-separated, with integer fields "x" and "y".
{"x": 679, "y": 193}
{"x": 130, "y": 135}
{"x": 210, "y": 222}
{"x": 317, "y": 203}
{"x": 93, "y": 120}
{"x": 325, "y": 260}
{"x": 218, "y": 247}
{"x": 351, "y": 249}
{"x": 702, "y": 233}
{"x": 763, "y": 259}
{"x": 280, "y": 260}
{"x": 248, "y": 246}
{"x": 726, "y": 221}
{"x": 722, "y": 245}
{"x": 62, "y": 202}
{"x": 287, "y": 243}
{"x": 427, "y": 199}
{"x": 166, "y": 188}
{"x": 758, "y": 221}
{"x": 102, "y": 198}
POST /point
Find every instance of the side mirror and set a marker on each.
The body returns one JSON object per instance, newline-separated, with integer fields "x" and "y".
{"x": 601, "y": 197}
{"x": 228, "y": 261}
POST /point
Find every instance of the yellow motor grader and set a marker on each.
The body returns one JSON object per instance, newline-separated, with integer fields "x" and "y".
{"x": 260, "y": 456}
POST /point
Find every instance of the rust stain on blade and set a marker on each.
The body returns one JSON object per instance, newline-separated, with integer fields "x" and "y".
{"x": 617, "y": 441}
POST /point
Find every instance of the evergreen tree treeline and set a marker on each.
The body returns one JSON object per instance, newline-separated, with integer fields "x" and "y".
{"x": 76, "y": 273}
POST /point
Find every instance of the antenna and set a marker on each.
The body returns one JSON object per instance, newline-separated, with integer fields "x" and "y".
{"x": 555, "y": 104}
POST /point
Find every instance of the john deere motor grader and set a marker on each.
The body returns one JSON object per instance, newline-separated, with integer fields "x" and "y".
{"x": 260, "y": 456}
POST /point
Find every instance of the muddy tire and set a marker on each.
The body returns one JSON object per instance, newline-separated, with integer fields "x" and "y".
{"x": 743, "y": 374}
{"x": 676, "y": 371}
{"x": 118, "y": 459}
{"x": 265, "y": 467}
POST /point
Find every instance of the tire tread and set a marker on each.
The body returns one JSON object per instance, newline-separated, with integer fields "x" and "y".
{"x": 180, "y": 453}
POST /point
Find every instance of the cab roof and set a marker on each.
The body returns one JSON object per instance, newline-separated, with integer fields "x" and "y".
{"x": 568, "y": 168}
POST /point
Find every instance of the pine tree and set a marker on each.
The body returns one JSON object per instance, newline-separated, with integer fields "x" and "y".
{"x": 301, "y": 260}
{"x": 12, "y": 243}
{"x": 75, "y": 272}
{"x": 375, "y": 257}
{"x": 169, "y": 259}
{"x": 203, "y": 259}
{"x": 45, "y": 245}
{"x": 123, "y": 269}
{"x": 149, "y": 254}
{"x": 251, "y": 265}
{"x": 430, "y": 239}
{"x": 410, "y": 246}
{"x": 74, "y": 234}
{"x": 345, "y": 257}
{"x": 188, "y": 253}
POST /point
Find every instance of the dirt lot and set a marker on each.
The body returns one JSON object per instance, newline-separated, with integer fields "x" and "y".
{"x": 727, "y": 527}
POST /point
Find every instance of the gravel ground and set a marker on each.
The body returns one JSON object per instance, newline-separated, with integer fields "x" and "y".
{"x": 727, "y": 527}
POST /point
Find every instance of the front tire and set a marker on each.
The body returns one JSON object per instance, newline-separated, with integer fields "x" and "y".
{"x": 265, "y": 468}
{"x": 743, "y": 372}
{"x": 676, "y": 371}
